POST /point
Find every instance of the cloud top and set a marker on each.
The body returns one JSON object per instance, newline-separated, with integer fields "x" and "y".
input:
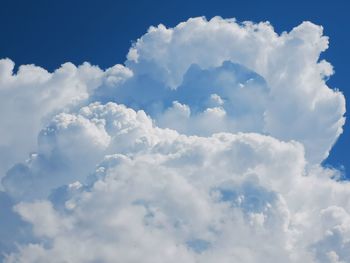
{"x": 263, "y": 82}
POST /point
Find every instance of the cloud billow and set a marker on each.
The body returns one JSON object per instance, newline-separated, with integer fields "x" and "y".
{"x": 205, "y": 146}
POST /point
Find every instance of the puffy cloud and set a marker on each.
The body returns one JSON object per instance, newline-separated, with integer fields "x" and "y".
{"x": 268, "y": 83}
{"x": 32, "y": 95}
{"x": 206, "y": 146}
{"x": 157, "y": 190}
{"x": 72, "y": 145}
{"x": 178, "y": 195}
{"x": 335, "y": 244}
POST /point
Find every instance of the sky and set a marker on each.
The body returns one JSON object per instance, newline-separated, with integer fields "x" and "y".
{"x": 48, "y": 34}
{"x": 146, "y": 131}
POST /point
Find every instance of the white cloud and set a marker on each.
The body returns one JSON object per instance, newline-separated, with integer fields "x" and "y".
{"x": 215, "y": 157}
{"x": 269, "y": 83}
{"x": 172, "y": 197}
{"x": 30, "y": 96}
{"x": 198, "y": 197}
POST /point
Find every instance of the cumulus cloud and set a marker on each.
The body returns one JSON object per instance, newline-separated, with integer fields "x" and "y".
{"x": 29, "y": 96}
{"x": 268, "y": 83}
{"x": 206, "y": 146}
{"x": 32, "y": 96}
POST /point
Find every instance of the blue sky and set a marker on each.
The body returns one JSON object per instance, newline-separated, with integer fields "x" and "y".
{"x": 49, "y": 33}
